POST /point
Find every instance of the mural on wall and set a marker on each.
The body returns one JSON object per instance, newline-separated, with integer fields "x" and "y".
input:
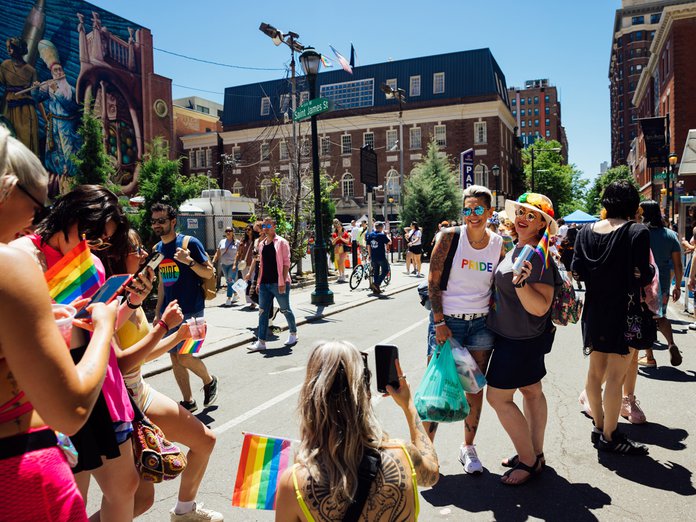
{"x": 64, "y": 56}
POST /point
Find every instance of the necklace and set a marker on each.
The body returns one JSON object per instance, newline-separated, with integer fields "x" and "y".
{"x": 485, "y": 236}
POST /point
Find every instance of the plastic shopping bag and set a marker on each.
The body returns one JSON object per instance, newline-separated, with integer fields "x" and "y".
{"x": 469, "y": 373}
{"x": 440, "y": 397}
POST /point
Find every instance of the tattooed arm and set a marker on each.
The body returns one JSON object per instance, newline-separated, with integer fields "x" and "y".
{"x": 437, "y": 264}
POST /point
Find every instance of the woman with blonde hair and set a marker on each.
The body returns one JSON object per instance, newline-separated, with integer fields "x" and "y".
{"x": 341, "y": 438}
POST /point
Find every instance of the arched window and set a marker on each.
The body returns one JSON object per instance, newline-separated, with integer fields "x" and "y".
{"x": 347, "y": 182}
{"x": 285, "y": 192}
{"x": 481, "y": 175}
{"x": 266, "y": 188}
{"x": 306, "y": 182}
{"x": 392, "y": 185}
{"x": 237, "y": 188}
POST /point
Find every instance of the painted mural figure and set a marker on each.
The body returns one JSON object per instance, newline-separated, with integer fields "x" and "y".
{"x": 63, "y": 118}
{"x": 16, "y": 75}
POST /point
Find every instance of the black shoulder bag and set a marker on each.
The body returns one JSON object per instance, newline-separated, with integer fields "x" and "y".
{"x": 367, "y": 471}
{"x": 446, "y": 269}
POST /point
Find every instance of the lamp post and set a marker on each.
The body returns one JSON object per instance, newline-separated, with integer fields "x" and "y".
{"x": 532, "y": 152}
{"x": 400, "y": 95}
{"x": 390, "y": 200}
{"x": 672, "y": 182}
{"x": 322, "y": 295}
{"x": 496, "y": 174}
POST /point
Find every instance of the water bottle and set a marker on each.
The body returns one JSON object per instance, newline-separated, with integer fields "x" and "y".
{"x": 525, "y": 255}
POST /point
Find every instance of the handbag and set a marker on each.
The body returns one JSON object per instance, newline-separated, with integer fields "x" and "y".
{"x": 640, "y": 330}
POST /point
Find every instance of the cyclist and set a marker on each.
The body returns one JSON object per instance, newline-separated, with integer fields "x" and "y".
{"x": 377, "y": 242}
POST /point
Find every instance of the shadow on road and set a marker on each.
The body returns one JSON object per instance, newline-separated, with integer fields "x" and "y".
{"x": 667, "y": 476}
{"x": 667, "y": 373}
{"x": 656, "y": 434}
{"x": 548, "y": 497}
{"x": 277, "y": 352}
{"x": 205, "y": 417}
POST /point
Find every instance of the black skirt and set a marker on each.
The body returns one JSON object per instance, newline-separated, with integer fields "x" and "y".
{"x": 96, "y": 439}
{"x": 516, "y": 363}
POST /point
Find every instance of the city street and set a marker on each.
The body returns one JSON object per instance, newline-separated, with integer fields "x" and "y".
{"x": 258, "y": 393}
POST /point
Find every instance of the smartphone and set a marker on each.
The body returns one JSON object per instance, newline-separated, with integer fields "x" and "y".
{"x": 385, "y": 365}
{"x": 111, "y": 288}
{"x": 152, "y": 261}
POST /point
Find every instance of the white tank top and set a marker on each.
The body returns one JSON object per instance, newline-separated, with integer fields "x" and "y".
{"x": 469, "y": 286}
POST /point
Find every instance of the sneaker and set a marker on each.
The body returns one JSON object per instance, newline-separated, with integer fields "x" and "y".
{"x": 210, "y": 392}
{"x": 585, "y": 404}
{"x": 675, "y": 357}
{"x": 191, "y": 405}
{"x": 414, "y": 272}
{"x": 630, "y": 409}
{"x": 292, "y": 340}
{"x": 196, "y": 515}
{"x": 692, "y": 326}
{"x": 469, "y": 459}
{"x": 621, "y": 444}
{"x": 258, "y": 346}
{"x": 595, "y": 435}
{"x": 228, "y": 302}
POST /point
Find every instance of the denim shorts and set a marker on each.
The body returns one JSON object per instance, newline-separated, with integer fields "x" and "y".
{"x": 473, "y": 335}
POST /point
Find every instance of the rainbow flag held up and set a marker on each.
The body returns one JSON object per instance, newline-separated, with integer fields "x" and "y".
{"x": 191, "y": 346}
{"x": 74, "y": 276}
{"x": 543, "y": 248}
{"x": 261, "y": 463}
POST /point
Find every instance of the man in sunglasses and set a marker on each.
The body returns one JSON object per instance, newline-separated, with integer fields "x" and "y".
{"x": 180, "y": 277}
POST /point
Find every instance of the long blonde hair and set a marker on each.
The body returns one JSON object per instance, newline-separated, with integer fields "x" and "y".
{"x": 336, "y": 418}
{"x": 18, "y": 165}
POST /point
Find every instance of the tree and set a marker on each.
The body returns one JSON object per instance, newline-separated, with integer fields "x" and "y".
{"x": 94, "y": 165}
{"x": 593, "y": 197}
{"x": 431, "y": 193}
{"x": 328, "y": 209}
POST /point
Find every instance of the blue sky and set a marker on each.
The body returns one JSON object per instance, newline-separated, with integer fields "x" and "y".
{"x": 567, "y": 42}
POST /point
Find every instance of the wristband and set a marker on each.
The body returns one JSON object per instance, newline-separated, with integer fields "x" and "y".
{"x": 191, "y": 263}
{"x": 131, "y": 305}
{"x": 440, "y": 323}
{"x": 163, "y": 325}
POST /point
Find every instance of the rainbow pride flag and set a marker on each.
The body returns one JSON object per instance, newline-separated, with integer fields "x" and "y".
{"x": 191, "y": 346}
{"x": 543, "y": 248}
{"x": 261, "y": 463}
{"x": 74, "y": 276}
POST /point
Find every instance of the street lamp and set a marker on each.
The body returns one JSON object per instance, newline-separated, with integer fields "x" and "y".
{"x": 532, "y": 152}
{"x": 496, "y": 174}
{"x": 322, "y": 295}
{"x": 672, "y": 181}
{"x": 400, "y": 95}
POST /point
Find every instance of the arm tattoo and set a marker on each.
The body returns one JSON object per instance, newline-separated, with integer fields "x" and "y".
{"x": 422, "y": 450}
{"x": 437, "y": 264}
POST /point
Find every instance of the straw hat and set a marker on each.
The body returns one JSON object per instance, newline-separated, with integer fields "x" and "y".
{"x": 536, "y": 202}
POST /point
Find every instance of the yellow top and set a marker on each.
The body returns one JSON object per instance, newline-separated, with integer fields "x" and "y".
{"x": 308, "y": 514}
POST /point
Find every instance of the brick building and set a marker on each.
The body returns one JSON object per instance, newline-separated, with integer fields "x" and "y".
{"x": 537, "y": 109}
{"x": 666, "y": 89}
{"x": 634, "y": 29}
{"x": 199, "y": 120}
{"x": 459, "y": 99}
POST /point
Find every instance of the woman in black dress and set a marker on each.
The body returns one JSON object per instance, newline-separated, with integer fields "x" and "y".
{"x": 613, "y": 257}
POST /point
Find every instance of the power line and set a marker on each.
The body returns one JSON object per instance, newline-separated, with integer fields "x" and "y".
{"x": 195, "y": 89}
{"x": 218, "y": 63}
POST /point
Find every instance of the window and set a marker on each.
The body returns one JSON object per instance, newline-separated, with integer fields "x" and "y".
{"x": 440, "y": 133}
{"x": 524, "y": 124}
{"x": 265, "y": 106}
{"x": 283, "y": 150}
{"x": 480, "y": 132}
{"x": 637, "y": 20}
{"x": 192, "y": 159}
{"x": 414, "y": 86}
{"x": 265, "y": 151}
{"x": 346, "y": 144}
{"x": 536, "y": 111}
{"x": 237, "y": 188}
{"x": 266, "y": 188}
{"x": 200, "y": 158}
{"x": 481, "y": 175}
{"x": 548, "y": 133}
{"x": 546, "y": 98}
{"x": 204, "y": 110}
{"x": 536, "y": 122}
{"x": 536, "y": 99}
{"x": 439, "y": 83}
{"x": 208, "y": 157}
{"x": 414, "y": 138}
{"x": 350, "y": 95}
{"x": 529, "y": 123}
{"x": 639, "y": 35}
{"x": 521, "y": 101}
{"x": 514, "y": 102}
{"x": 392, "y": 140}
{"x": 514, "y": 114}
{"x": 304, "y": 96}
{"x": 391, "y": 83}
{"x": 523, "y": 112}
{"x": 325, "y": 146}
{"x": 285, "y": 193}
{"x": 547, "y": 121}
{"x": 305, "y": 148}
{"x": 547, "y": 110}
{"x": 347, "y": 185}
{"x": 369, "y": 139}
{"x": 237, "y": 153}
{"x": 284, "y": 103}
{"x": 391, "y": 186}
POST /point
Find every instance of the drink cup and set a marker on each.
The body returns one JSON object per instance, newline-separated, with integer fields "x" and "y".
{"x": 64, "y": 315}
{"x": 197, "y": 327}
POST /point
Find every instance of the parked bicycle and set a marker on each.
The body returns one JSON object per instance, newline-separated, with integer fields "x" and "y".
{"x": 364, "y": 270}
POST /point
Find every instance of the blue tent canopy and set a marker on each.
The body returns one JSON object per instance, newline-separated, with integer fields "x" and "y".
{"x": 579, "y": 217}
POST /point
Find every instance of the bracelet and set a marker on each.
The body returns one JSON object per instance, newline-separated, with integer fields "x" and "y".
{"x": 440, "y": 323}
{"x": 193, "y": 262}
{"x": 163, "y": 325}
{"x": 131, "y": 305}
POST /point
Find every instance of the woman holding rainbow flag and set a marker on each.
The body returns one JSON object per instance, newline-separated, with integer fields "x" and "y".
{"x": 520, "y": 319}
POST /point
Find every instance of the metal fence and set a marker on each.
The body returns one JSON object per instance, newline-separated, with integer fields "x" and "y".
{"x": 209, "y": 229}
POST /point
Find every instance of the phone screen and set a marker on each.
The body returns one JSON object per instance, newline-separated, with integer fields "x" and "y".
{"x": 385, "y": 357}
{"x": 106, "y": 293}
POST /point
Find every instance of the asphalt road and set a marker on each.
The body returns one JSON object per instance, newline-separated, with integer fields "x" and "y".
{"x": 258, "y": 393}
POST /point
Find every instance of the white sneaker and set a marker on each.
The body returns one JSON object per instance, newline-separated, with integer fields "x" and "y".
{"x": 692, "y": 326}
{"x": 258, "y": 346}
{"x": 196, "y": 515}
{"x": 292, "y": 340}
{"x": 470, "y": 460}
{"x": 228, "y": 302}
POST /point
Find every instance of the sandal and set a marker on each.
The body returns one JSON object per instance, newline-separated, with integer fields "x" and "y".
{"x": 511, "y": 462}
{"x": 532, "y": 471}
{"x": 675, "y": 357}
{"x": 644, "y": 361}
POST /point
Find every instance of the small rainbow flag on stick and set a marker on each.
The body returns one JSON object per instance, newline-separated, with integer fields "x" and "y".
{"x": 261, "y": 463}
{"x": 543, "y": 248}
{"x": 74, "y": 276}
{"x": 191, "y": 346}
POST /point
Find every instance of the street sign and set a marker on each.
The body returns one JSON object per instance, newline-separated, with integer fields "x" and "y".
{"x": 368, "y": 166}
{"x": 466, "y": 168}
{"x": 311, "y": 108}
{"x": 660, "y": 175}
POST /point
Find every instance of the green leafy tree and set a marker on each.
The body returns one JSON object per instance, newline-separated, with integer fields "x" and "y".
{"x": 593, "y": 202}
{"x": 431, "y": 193}
{"x": 328, "y": 208}
{"x": 94, "y": 165}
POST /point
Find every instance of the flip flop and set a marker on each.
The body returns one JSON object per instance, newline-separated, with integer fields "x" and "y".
{"x": 533, "y": 471}
{"x": 511, "y": 462}
{"x": 675, "y": 357}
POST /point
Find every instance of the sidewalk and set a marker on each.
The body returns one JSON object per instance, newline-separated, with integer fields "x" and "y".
{"x": 232, "y": 327}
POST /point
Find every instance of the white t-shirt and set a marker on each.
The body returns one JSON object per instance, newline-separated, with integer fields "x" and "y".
{"x": 228, "y": 251}
{"x": 415, "y": 239}
{"x": 354, "y": 232}
{"x": 471, "y": 277}
{"x": 562, "y": 231}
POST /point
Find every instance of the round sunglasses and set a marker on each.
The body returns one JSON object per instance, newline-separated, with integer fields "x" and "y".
{"x": 479, "y": 210}
{"x": 531, "y": 216}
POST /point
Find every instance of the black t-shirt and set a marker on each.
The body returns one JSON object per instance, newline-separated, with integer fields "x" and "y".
{"x": 270, "y": 267}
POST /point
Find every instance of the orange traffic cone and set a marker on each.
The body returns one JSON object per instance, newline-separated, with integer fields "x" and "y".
{"x": 347, "y": 262}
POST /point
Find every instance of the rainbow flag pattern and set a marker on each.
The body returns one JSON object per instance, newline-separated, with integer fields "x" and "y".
{"x": 261, "y": 463}
{"x": 74, "y": 276}
{"x": 543, "y": 248}
{"x": 191, "y": 346}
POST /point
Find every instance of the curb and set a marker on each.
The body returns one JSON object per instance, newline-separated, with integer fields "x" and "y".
{"x": 249, "y": 338}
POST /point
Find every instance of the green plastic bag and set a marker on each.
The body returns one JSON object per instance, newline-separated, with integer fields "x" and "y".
{"x": 440, "y": 396}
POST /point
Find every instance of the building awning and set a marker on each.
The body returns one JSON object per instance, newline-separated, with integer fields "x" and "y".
{"x": 687, "y": 165}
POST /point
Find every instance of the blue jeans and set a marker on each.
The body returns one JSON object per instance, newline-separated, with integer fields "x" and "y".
{"x": 230, "y": 273}
{"x": 380, "y": 269}
{"x": 266, "y": 294}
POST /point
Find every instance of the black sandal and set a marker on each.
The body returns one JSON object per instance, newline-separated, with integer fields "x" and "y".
{"x": 532, "y": 471}
{"x": 515, "y": 459}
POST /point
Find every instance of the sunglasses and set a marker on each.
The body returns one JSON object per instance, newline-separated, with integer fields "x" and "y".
{"x": 531, "y": 216}
{"x": 98, "y": 244}
{"x": 479, "y": 210}
{"x": 41, "y": 210}
{"x": 137, "y": 251}
{"x": 228, "y": 231}
{"x": 266, "y": 226}
{"x": 160, "y": 221}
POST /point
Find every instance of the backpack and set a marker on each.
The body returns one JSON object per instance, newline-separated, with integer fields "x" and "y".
{"x": 446, "y": 269}
{"x": 208, "y": 286}
{"x": 567, "y": 306}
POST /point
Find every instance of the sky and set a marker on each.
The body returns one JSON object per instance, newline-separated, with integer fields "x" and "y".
{"x": 568, "y": 42}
